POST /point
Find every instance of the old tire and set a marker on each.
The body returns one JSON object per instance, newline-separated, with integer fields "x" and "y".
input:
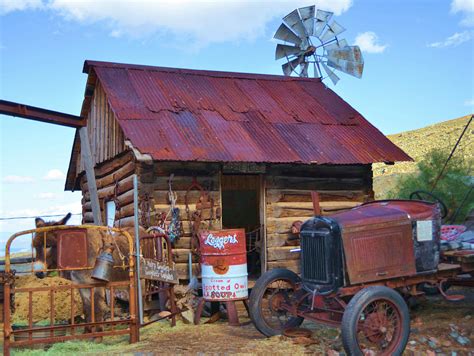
{"x": 263, "y": 306}
{"x": 376, "y": 315}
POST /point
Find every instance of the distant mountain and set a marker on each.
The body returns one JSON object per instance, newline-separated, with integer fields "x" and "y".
{"x": 417, "y": 143}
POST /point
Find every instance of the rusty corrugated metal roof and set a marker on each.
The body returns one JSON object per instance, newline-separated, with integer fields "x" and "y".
{"x": 195, "y": 115}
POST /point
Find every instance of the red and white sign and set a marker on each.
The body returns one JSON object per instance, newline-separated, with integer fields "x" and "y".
{"x": 224, "y": 265}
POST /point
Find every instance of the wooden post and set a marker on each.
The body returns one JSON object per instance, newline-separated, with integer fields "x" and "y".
{"x": 263, "y": 224}
{"x": 86, "y": 156}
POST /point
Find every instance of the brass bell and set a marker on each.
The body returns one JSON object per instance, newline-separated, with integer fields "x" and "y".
{"x": 104, "y": 265}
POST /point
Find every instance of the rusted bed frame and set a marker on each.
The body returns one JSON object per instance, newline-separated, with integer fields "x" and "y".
{"x": 132, "y": 327}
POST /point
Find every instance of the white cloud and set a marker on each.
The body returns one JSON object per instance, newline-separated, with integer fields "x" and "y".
{"x": 7, "y": 6}
{"x": 195, "y": 23}
{"x": 18, "y": 179}
{"x": 368, "y": 42}
{"x": 47, "y": 196}
{"x": 465, "y": 7}
{"x": 54, "y": 174}
{"x": 453, "y": 41}
{"x": 469, "y": 102}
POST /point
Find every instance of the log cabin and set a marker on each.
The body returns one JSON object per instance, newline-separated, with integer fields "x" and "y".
{"x": 257, "y": 144}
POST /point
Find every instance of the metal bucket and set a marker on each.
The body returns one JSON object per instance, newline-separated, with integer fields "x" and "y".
{"x": 104, "y": 265}
{"x": 224, "y": 265}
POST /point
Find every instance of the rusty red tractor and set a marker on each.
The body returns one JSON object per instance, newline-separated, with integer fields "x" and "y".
{"x": 358, "y": 269}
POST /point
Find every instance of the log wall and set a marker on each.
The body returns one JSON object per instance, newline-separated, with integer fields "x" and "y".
{"x": 120, "y": 170}
{"x": 288, "y": 198}
{"x": 153, "y": 180}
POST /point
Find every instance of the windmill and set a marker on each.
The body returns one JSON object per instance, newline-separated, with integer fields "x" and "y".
{"x": 312, "y": 47}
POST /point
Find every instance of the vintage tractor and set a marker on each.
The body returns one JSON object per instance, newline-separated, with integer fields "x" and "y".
{"x": 358, "y": 269}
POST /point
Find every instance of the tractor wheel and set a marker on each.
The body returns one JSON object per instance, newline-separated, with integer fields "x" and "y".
{"x": 376, "y": 321}
{"x": 271, "y": 290}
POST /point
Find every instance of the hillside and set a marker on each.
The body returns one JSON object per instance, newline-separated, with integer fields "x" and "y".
{"x": 417, "y": 143}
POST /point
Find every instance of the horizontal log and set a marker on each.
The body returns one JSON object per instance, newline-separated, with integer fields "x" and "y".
{"x": 124, "y": 211}
{"x": 112, "y": 165}
{"x": 282, "y": 225}
{"x": 125, "y": 198}
{"x": 125, "y": 222}
{"x": 199, "y": 169}
{"x": 181, "y": 255}
{"x": 124, "y": 185}
{"x": 282, "y": 253}
{"x": 312, "y": 183}
{"x": 183, "y": 270}
{"x": 121, "y": 173}
{"x": 293, "y": 265}
{"x": 184, "y": 182}
{"x": 302, "y": 170}
{"x": 183, "y": 215}
{"x": 278, "y": 240}
{"x": 292, "y": 195}
{"x": 161, "y": 196}
{"x": 283, "y": 210}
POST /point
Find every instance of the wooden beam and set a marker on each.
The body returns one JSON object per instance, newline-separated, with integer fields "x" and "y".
{"x": 40, "y": 114}
{"x": 86, "y": 156}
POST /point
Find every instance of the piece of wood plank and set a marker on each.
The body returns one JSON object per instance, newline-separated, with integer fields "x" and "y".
{"x": 88, "y": 162}
{"x": 278, "y": 240}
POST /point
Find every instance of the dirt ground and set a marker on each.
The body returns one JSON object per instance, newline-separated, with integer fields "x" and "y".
{"x": 432, "y": 323}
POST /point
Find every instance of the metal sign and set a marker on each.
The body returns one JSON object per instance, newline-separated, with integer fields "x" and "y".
{"x": 157, "y": 271}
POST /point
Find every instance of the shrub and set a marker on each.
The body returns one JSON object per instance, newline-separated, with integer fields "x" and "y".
{"x": 451, "y": 188}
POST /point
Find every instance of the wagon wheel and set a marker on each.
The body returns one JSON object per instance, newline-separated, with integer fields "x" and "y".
{"x": 427, "y": 196}
{"x": 266, "y": 304}
{"x": 376, "y": 321}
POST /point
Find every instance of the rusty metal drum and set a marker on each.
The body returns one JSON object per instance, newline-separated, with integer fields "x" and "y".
{"x": 224, "y": 265}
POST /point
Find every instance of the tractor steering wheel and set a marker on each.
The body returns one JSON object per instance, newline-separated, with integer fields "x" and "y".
{"x": 423, "y": 195}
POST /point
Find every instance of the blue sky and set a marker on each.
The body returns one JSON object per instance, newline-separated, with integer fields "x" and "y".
{"x": 418, "y": 68}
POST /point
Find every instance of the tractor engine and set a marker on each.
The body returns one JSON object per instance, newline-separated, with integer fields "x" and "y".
{"x": 375, "y": 241}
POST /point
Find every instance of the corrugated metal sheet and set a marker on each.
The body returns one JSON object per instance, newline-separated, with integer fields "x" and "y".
{"x": 191, "y": 115}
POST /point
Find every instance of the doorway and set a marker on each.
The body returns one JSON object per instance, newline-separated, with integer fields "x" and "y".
{"x": 241, "y": 209}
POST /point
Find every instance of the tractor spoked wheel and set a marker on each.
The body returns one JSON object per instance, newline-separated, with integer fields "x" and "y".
{"x": 272, "y": 291}
{"x": 376, "y": 321}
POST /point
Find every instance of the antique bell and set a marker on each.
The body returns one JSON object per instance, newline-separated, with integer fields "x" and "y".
{"x": 104, "y": 265}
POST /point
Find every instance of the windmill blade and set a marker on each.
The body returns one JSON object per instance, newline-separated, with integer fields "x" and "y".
{"x": 334, "y": 78}
{"x": 304, "y": 69}
{"x": 348, "y": 53}
{"x": 307, "y": 16}
{"x": 284, "y": 33}
{"x": 286, "y": 51}
{"x": 289, "y": 67}
{"x": 336, "y": 45}
{"x": 322, "y": 18}
{"x": 293, "y": 20}
{"x": 333, "y": 30}
{"x": 352, "y": 68}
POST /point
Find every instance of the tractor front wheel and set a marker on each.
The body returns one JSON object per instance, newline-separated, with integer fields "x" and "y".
{"x": 376, "y": 321}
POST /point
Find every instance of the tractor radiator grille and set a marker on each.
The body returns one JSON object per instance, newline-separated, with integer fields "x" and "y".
{"x": 314, "y": 259}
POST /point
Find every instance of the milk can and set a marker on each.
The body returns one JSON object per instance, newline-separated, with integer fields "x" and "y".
{"x": 224, "y": 265}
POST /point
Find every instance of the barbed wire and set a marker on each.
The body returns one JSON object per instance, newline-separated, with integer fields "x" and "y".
{"x": 33, "y": 217}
